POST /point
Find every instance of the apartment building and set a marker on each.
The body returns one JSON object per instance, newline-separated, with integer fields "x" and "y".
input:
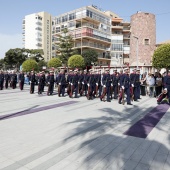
{"x": 90, "y": 28}
{"x": 37, "y": 33}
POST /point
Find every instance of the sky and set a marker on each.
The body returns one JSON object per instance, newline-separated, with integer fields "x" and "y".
{"x": 13, "y": 11}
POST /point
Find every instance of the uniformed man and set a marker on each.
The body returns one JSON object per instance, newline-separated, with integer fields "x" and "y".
{"x": 40, "y": 83}
{"x": 134, "y": 79}
{"x": 106, "y": 81}
{"x": 13, "y": 80}
{"x": 32, "y": 81}
{"x": 74, "y": 83}
{"x": 167, "y": 84}
{"x": 80, "y": 80}
{"x": 138, "y": 83}
{"x": 91, "y": 85}
{"x": 125, "y": 85}
{"x": 61, "y": 80}
{"x": 114, "y": 83}
{"x": 43, "y": 81}
{"x": 6, "y": 79}
{"x": 1, "y": 80}
{"x": 51, "y": 83}
{"x": 21, "y": 80}
{"x": 84, "y": 82}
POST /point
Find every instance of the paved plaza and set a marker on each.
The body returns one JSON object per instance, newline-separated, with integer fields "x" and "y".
{"x": 40, "y": 132}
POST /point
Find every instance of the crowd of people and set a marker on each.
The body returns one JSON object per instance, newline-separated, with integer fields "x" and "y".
{"x": 122, "y": 86}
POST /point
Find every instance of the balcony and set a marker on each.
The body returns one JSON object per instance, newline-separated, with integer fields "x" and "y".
{"x": 39, "y": 45}
{"x": 39, "y": 23}
{"x": 39, "y": 39}
{"x": 88, "y": 34}
{"x": 93, "y": 45}
{"x": 117, "y": 27}
{"x": 38, "y": 28}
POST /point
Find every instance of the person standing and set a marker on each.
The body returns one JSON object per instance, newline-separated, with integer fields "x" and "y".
{"x": 125, "y": 85}
{"x": 32, "y": 82}
{"x": 51, "y": 83}
{"x": 106, "y": 81}
{"x": 61, "y": 81}
{"x": 7, "y": 79}
{"x": 21, "y": 80}
{"x": 1, "y": 80}
{"x": 167, "y": 84}
{"x": 13, "y": 80}
{"x": 40, "y": 83}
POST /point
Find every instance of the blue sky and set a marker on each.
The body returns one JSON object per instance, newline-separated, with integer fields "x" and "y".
{"x": 13, "y": 11}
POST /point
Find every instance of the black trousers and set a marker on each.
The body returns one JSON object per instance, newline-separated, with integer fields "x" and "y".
{"x": 32, "y": 86}
{"x": 21, "y": 85}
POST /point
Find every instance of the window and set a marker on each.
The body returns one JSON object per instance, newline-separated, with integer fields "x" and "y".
{"x": 146, "y": 42}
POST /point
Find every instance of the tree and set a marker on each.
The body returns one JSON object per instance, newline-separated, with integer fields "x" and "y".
{"x": 29, "y": 65}
{"x": 55, "y": 62}
{"x": 2, "y": 63}
{"x": 15, "y": 57}
{"x": 76, "y": 61}
{"x": 89, "y": 57}
{"x": 161, "y": 57}
{"x": 41, "y": 64}
{"x": 65, "y": 46}
{"x": 36, "y": 54}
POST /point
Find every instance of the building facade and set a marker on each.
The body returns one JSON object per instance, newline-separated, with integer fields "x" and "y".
{"x": 118, "y": 43}
{"x": 37, "y": 33}
{"x": 143, "y": 39}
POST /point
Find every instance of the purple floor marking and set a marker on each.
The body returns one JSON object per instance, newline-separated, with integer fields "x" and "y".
{"x": 144, "y": 126}
{"x": 29, "y": 111}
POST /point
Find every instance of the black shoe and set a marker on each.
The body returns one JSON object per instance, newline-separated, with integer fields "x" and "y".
{"x": 139, "y": 98}
{"x": 108, "y": 101}
{"x": 136, "y": 100}
{"x": 119, "y": 102}
{"x": 100, "y": 99}
{"x": 129, "y": 104}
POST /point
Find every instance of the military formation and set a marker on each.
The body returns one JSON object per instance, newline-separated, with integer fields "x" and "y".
{"x": 121, "y": 86}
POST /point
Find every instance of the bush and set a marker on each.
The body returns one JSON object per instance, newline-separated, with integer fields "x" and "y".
{"x": 54, "y": 62}
{"x": 76, "y": 61}
{"x": 29, "y": 65}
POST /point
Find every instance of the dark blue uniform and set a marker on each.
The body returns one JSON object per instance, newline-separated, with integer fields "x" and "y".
{"x": 32, "y": 83}
{"x": 1, "y": 81}
{"x": 61, "y": 80}
{"x": 125, "y": 81}
{"x": 115, "y": 80}
{"x": 167, "y": 85}
{"x": 106, "y": 80}
{"x": 21, "y": 80}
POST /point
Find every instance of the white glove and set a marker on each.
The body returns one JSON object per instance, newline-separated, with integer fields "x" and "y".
{"x": 30, "y": 81}
{"x": 123, "y": 87}
{"x": 59, "y": 83}
{"x": 111, "y": 84}
{"x": 78, "y": 82}
{"x": 132, "y": 85}
{"x": 82, "y": 82}
{"x": 71, "y": 83}
{"x": 97, "y": 84}
{"x": 119, "y": 84}
{"x": 104, "y": 86}
{"x": 48, "y": 82}
{"x": 88, "y": 84}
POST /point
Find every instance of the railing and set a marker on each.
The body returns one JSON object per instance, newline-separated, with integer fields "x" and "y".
{"x": 91, "y": 45}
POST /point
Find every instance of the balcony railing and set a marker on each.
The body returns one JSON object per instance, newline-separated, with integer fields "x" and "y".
{"x": 91, "y": 45}
{"x": 84, "y": 34}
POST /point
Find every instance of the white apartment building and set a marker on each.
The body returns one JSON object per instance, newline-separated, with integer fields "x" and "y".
{"x": 92, "y": 28}
{"x": 37, "y": 33}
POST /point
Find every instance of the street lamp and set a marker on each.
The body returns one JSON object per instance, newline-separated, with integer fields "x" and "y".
{"x": 137, "y": 46}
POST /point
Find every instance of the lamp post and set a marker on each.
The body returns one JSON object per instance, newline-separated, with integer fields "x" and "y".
{"x": 137, "y": 46}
